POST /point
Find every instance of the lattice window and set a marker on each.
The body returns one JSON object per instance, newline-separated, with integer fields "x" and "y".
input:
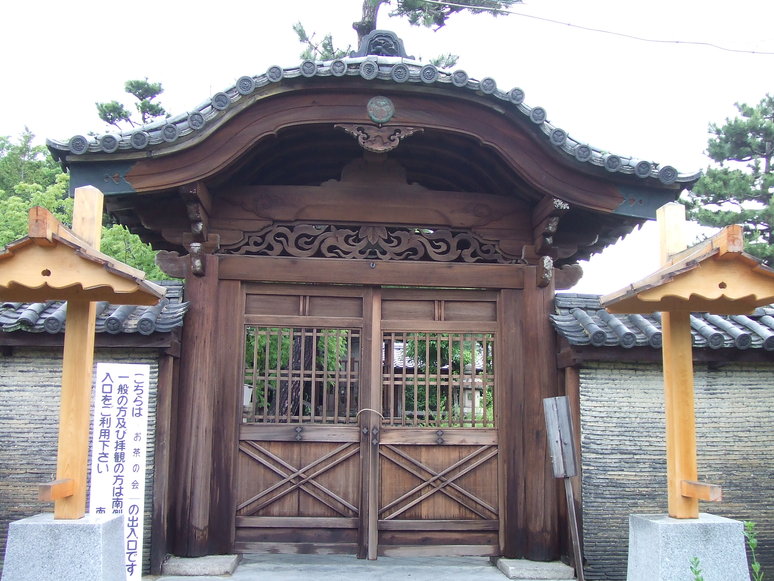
{"x": 438, "y": 379}
{"x": 307, "y": 375}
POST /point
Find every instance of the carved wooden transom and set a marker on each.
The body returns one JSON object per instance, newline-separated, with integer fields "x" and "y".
{"x": 368, "y": 243}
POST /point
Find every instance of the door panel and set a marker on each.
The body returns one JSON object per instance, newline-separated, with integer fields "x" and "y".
{"x": 369, "y": 422}
{"x": 438, "y": 480}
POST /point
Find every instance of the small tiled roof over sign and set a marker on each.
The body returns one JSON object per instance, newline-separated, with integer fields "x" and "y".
{"x": 51, "y": 316}
{"x": 580, "y": 319}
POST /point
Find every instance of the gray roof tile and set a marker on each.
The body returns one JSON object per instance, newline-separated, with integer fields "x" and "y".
{"x": 580, "y": 319}
{"x": 51, "y": 317}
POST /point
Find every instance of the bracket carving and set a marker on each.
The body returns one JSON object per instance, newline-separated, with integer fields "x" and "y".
{"x": 379, "y": 139}
{"x": 545, "y": 222}
{"x": 197, "y": 204}
{"x": 197, "y": 250}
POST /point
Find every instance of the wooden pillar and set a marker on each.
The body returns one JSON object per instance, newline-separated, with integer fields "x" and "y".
{"x": 77, "y": 369}
{"x": 526, "y": 367}
{"x": 509, "y": 359}
{"x": 195, "y": 416}
{"x": 541, "y": 381}
{"x": 228, "y": 413}
{"x": 370, "y": 423}
{"x": 677, "y": 353}
{"x": 162, "y": 472}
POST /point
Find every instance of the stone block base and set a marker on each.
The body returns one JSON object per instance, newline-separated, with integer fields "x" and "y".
{"x": 661, "y": 548}
{"x": 523, "y": 570}
{"x": 209, "y": 565}
{"x": 40, "y": 548}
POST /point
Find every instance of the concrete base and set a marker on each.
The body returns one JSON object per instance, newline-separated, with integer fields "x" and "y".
{"x": 209, "y": 565}
{"x": 40, "y": 548}
{"x": 535, "y": 570}
{"x": 661, "y": 548}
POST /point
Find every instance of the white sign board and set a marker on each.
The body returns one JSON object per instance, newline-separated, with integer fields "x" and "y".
{"x": 118, "y": 452}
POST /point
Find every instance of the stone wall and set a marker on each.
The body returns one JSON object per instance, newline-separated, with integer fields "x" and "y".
{"x": 29, "y": 422}
{"x": 623, "y": 449}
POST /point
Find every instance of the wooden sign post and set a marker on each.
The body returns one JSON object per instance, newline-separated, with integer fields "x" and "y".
{"x": 715, "y": 276}
{"x": 77, "y": 363}
{"x": 677, "y": 357}
{"x": 57, "y": 263}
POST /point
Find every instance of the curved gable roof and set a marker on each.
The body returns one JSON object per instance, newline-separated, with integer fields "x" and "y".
{"x": 284, "y": 128}
{"x": 185, "y": 130}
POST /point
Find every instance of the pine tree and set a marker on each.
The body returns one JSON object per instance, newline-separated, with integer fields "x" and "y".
{"x": 739, "y": 190}
{"x": 116, "y": 114}
{"x": 418, "y": 12}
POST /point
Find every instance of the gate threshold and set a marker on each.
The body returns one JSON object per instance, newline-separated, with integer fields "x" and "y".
{"x": 279, "y": 567}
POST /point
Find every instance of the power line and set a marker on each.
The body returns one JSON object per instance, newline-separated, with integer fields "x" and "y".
{"x": 604, "y": 31}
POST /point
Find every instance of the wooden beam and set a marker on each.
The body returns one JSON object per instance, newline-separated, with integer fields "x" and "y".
{"x": 701, "y": 491}
{"x": 364, "y": 272}
{"x": 51, "y": 491}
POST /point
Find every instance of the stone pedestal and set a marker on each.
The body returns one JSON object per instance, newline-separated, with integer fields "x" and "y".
{"x": 40, "y": 548}
{"x": 661, "y": 548}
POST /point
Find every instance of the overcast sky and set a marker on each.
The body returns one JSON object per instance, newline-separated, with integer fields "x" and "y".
{"x": 649, "y": 100}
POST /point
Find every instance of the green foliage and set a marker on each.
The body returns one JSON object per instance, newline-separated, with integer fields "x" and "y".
{"x": 696, "y": 570}
{"x": 114, "y": 113}
{"x": 418, "y": 12}
{"x": 30, "y": 178}
{"x": 445, "y": 61}
{"x": 430, "y": 14}
{"x": 751, "y": 536}
{"x": 442, "y": 361}
{"x": 15, "y": 208}
{"x": 271, "y": 350}
{"x": 122, "y": 245}
{"x": 318, "y": 51}
{"x": 23, "y": 162}
{"x": 739, "y": 190}
{"x": 144, "y": 91}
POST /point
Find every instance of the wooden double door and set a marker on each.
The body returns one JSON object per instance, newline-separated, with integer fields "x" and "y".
{"x": 369, "y": 422}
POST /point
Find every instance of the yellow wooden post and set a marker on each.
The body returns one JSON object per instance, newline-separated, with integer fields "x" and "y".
{"x": 677, "y": 353}
{"x": 77, "y": 364}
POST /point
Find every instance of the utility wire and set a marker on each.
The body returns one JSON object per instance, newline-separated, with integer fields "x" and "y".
{"x": 602, "y": 31}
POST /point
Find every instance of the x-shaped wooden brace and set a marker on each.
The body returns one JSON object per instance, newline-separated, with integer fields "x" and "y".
{"x": 298, "y": 479}
{"x": 440, "y": 481}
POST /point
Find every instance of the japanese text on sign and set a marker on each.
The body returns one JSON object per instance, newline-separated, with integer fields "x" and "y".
{"x": 118, "y": 459}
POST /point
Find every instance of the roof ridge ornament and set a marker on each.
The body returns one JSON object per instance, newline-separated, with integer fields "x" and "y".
{"x": 381, "y": 43}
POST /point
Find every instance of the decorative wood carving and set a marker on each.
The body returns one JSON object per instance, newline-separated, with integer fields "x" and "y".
{"x": 368, "y": 243}
{"x": 545, "y": 220}
{"x": 197, "y": 204}
{"x": 378, "y": 139}
{"x": 567, "y": 276}
{"x": 179, "y": 266}
{"x": 545, "y": 271}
